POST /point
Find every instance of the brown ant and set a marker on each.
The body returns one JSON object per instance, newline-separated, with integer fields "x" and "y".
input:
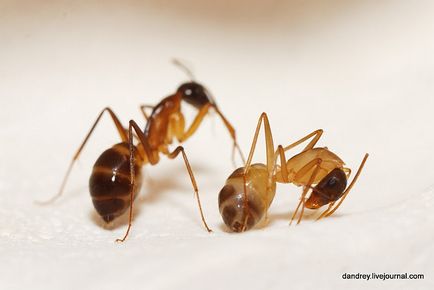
{"x": 116, "y": 179}
{"x": 249, "y": 190}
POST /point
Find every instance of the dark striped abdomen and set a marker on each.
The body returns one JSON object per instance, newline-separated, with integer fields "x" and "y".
{"x": 110, "y": 182}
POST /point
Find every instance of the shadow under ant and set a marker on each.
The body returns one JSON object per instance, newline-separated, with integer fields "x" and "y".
{"x": 272, "y": 218}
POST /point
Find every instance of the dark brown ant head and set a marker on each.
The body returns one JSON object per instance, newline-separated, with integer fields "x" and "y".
{"x": 195, "y": 94}
{"x": 329, "y": 189}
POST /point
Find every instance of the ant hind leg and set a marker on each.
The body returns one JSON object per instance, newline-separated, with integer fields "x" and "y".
{"x": 122, "y": 133}
{"x": 151, "y": 157}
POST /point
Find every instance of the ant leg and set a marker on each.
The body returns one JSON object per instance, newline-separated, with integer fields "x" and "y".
{"x": 233, "y": 135}
{"x": 142, "y": 109}
{"x": 281, "y": 175}
{"x": 268, "y": 143}
{"x": 281, "y": 151}
{"x": 121, "y": 132}
{"x": 184, "y": 135}
{"x": 132, "y": 182}
{"x": 173, "y": 155}
{"x": 151, "y": 154}
{"x": 270, "y": 160}
{"x": 350, "y": 186}
{"x": 316, "y": 134}
{"x": 316, "y": 164}
{"x": 326, "y": 211}
{"x": 151, "y": 157}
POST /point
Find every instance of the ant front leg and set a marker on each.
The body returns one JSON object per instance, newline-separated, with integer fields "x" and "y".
{"x": 350, "y": 186}
{"x": 316, "y": 166}
{"x": 122, "y": 135}
{"x": 326, "y": 211}
{"x": 231, "y": 130}
{"x": 183, "y": 134}
{"x": 142, "y": 109}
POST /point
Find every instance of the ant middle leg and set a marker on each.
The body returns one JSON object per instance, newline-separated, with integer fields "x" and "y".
{"x": 122, "y": 133}
{"x": 173, "y": 155}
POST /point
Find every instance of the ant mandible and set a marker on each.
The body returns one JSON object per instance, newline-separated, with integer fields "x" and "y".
{"x": 249, "y": 190}
{"x": 116, "y": 179}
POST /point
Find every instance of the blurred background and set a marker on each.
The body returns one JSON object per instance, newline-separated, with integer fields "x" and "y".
{"x": 361, "y": 70}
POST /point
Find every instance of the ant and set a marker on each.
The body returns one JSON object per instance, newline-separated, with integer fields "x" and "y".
{"x": 249, "y": 190}
{"x": 115, "y": 180}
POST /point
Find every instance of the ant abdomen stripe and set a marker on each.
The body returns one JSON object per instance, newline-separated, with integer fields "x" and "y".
{"x": 105, "y": 183}
{"x": 236, "y": 213}
{"x": 110, "y": 182}
{"x": 229, "y": 196}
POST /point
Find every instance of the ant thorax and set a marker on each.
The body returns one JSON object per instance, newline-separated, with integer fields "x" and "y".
{"x": 299, "y": 174}
{"x": 238, "y": 213}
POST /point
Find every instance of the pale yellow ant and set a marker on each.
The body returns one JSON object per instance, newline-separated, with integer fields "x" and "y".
{"x": 249, "y": 190}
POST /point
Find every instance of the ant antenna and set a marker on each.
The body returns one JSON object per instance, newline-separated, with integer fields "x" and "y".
{"x": 184, "y": 68}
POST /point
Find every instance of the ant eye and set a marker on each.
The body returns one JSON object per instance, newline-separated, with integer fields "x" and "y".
{"x": 332, "y": 181}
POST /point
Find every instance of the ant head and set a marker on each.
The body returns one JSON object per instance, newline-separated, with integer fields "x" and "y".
{"x": 195, "y": 94}
{"x": 192, "y": 92}
{"x": 329, "y": 189}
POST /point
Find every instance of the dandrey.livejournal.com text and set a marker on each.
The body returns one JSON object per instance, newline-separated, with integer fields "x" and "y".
{"x": 383, "y": 276}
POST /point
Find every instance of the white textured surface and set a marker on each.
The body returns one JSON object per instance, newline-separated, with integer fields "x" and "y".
{"x": 361, "y": 70}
